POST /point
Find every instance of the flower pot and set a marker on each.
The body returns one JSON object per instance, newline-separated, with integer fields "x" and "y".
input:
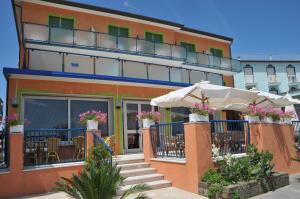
{"x": 287, "y": 120}
{"x": 16, "y": 129}
{"x": 268, "y": 120}
{"x": 251, "y": 119}
{"x": 147, "y": 123}
{"x": 198, "y": 118}
{"x": 92, "y": 125}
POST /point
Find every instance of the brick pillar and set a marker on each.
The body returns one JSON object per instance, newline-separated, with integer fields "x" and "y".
{"x": 147, "y": 147}
{"x": 16, "y": 151}
{"x": 198, "y": 152}
{"x": 89, "y": 141}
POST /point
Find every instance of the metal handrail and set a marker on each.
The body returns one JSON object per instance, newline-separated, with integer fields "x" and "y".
{"x": 106, "y": 147}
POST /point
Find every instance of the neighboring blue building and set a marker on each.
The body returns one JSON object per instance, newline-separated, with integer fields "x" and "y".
{"x": 278, "y": 77}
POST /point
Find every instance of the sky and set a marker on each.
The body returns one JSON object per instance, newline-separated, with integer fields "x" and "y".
{"x": 259, "y": 27}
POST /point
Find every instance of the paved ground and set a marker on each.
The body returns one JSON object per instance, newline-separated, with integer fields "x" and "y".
{"x": 289, "y": 192}
{"x": 166, "y": 193}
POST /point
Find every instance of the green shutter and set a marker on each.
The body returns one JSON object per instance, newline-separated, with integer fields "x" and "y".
{"x": 67, "y": 23}
{"x": 148, "y": 36}
{"x": 188, "y": 47}
{"x": 216, "y": 52}
{"x": 54, "y": 21}
{"x": 113, "y": 30}
{"x": 123, "y": 32}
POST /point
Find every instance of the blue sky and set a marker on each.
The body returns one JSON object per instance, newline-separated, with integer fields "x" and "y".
{"x": 259, "y": 27}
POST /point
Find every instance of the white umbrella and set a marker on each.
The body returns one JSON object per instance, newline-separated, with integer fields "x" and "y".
{"x": 292, "y": 107}
{"x": 203, "y": 92}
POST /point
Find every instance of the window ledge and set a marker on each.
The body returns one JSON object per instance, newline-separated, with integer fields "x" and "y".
{"x": 170, "y": 160}
{"x": 53, "y": 166}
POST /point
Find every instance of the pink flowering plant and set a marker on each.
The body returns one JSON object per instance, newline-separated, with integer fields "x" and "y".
{"x": 202, "y": 109}
{"x": 254, "y": 110}
{"x": 288, "y": 114}
{"x": 93, "y": 115}
{"x": 151, "y": 115}
{"x": 13, "y": 120}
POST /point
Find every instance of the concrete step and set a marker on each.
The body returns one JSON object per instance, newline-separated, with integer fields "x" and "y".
{"x": 159, "y": 184}
{"x": 137, "y": 172}
{"x": 143, "y": 179}
{"x": 127, "y": 161}
{"x": 138, "y": 165}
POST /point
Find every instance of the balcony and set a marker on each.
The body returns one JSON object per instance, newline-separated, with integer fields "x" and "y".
{"x": 249, "y": 80}
{"x": 292, "y": 80}
{"x": 105, "y": 43}
{"x": 272, "y": 81}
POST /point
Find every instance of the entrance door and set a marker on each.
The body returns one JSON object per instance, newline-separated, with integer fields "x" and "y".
{"x": 132, "y": 126}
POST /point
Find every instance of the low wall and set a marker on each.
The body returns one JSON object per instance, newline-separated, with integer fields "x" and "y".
{"x": 279, "y": 140}
{"x": 187, "y": 173}
{"x": 20, "y": 181}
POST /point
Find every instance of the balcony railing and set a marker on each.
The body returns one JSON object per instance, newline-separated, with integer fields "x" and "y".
{"x": 167, "y": 140}
{"x": 292, "y": 79}
{"x": 230, "y": 136}
{"x": 49, "y": 146}
{"x": 103, "y": 41}
{"x": 249, "y": 79}
{"x": 4, "y": 134}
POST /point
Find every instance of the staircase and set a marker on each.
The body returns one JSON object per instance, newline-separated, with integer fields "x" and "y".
{"x": 137, "y": 171}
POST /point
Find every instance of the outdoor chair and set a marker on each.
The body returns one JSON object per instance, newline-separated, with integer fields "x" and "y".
{"x": 171, "y": 146}
{"x": 30, "y": 150}
{"x": 52, "y": 149}
{"x": 78, "y": 147}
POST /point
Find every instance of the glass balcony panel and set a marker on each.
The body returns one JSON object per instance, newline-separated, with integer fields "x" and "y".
{"x": 163, "y": 50}
{"x": 84, "y": 38}
{"x": 225, "y": 63}
{"x": 146, "y": 47}
{"x": 197, "y": 76}
{"x": 157, "y": 72}
{"x": 175, "y": 75}
{"x": 79, "y": 64}
{"x": 36, "y": 32}
{"x": 105, "y": 66}
{"x": 215, "y": 78}
{"x": 127, "y": 44}
{"x": 134, "y": 69}
{"x": 192, "y": 57}
{"x": 236, "y": 65}
{"x": 249, "y": 79}
{"x": 215, "y": 61}
{"x": 178, "y": 52}
{"x": 106, "y": 41}
{"x": 203, "y": 59}
{"x": 44, "y": 60}
{"x": 60, "y": 35}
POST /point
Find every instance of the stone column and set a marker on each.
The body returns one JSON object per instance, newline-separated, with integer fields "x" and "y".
{"x": 147, "y": 147}
{"x": 16, "y": 152}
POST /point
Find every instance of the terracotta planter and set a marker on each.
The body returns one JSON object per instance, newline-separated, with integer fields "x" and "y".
{"x": 198, "y": 118}
{"x": 16, "y": 129}
{"x": 147, "y": 123}
{"x": 251, "y": 119}
{"x": 92, "y": 125}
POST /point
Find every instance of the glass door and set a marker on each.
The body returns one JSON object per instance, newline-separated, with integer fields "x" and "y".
{"x": 132, "y": 126}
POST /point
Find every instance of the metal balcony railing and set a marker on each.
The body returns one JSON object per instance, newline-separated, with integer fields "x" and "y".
{"x": 103, "y": 41}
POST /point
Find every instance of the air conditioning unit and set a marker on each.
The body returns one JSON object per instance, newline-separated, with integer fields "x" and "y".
{"x": 272, "y": 78}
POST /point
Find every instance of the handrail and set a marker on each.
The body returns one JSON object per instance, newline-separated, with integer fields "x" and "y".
{"x": 100, "y": 139}
{"x": 136, "y": 38}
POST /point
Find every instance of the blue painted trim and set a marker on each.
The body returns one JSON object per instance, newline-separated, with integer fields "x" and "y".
{"x": 9, "y": 71}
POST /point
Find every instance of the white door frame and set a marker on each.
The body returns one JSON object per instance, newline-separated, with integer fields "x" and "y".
{"x": 126, "y": 131}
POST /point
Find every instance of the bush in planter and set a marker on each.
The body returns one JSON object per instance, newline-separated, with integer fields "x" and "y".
{"x": 202, "y": 109}
{"x": 255, "y": 111}
{"x": 151, "y": 115}
{"x": 255, "y": 166}
{"x": 286, "y": 116}
{"x": 274, "y": 114}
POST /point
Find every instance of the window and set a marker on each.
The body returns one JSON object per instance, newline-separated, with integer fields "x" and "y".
{"x": 154, "y": 37}
{"x": 189, "y": 47}
{"x": 216, "y": 52}
{"x": 63, "y": 113}
{"x": 61, "y": 22}
{"x": 248, "y": 72}
{"x": 291, "y": 73}
{"x": 118, "y": 31}
{"x": 271, "y": 73}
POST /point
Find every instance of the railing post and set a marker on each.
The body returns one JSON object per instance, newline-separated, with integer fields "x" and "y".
{"x": 16, "y": 151}
{"x": 147, "y": 147}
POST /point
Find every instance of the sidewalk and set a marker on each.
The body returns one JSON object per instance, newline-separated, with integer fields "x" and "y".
{"x": 289, "y": 192}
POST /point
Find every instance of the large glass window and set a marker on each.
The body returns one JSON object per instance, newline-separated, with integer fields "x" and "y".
{"x": 62, "y": 113}
{"x": 180, "y": 114}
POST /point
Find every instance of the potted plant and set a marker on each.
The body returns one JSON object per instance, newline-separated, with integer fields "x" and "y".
{"x": 92, "y": 119}
{"x": 272, "y": 115}
{"x": 254, "y": 114}
{"x": 149, "y": 118}
{"x": 15, "y": 125}
{"x": 200, "y": 113}
{"x": 287, "y": 116}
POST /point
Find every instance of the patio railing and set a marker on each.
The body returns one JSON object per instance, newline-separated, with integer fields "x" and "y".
{"x": 98, "y": 140}
{"x": 4, "y": 137}
{"x": 168, "y": 140}
{"x": 49, "y": 146}
{"x": 230, "y": 136}
{"x": 296, "y": 125}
